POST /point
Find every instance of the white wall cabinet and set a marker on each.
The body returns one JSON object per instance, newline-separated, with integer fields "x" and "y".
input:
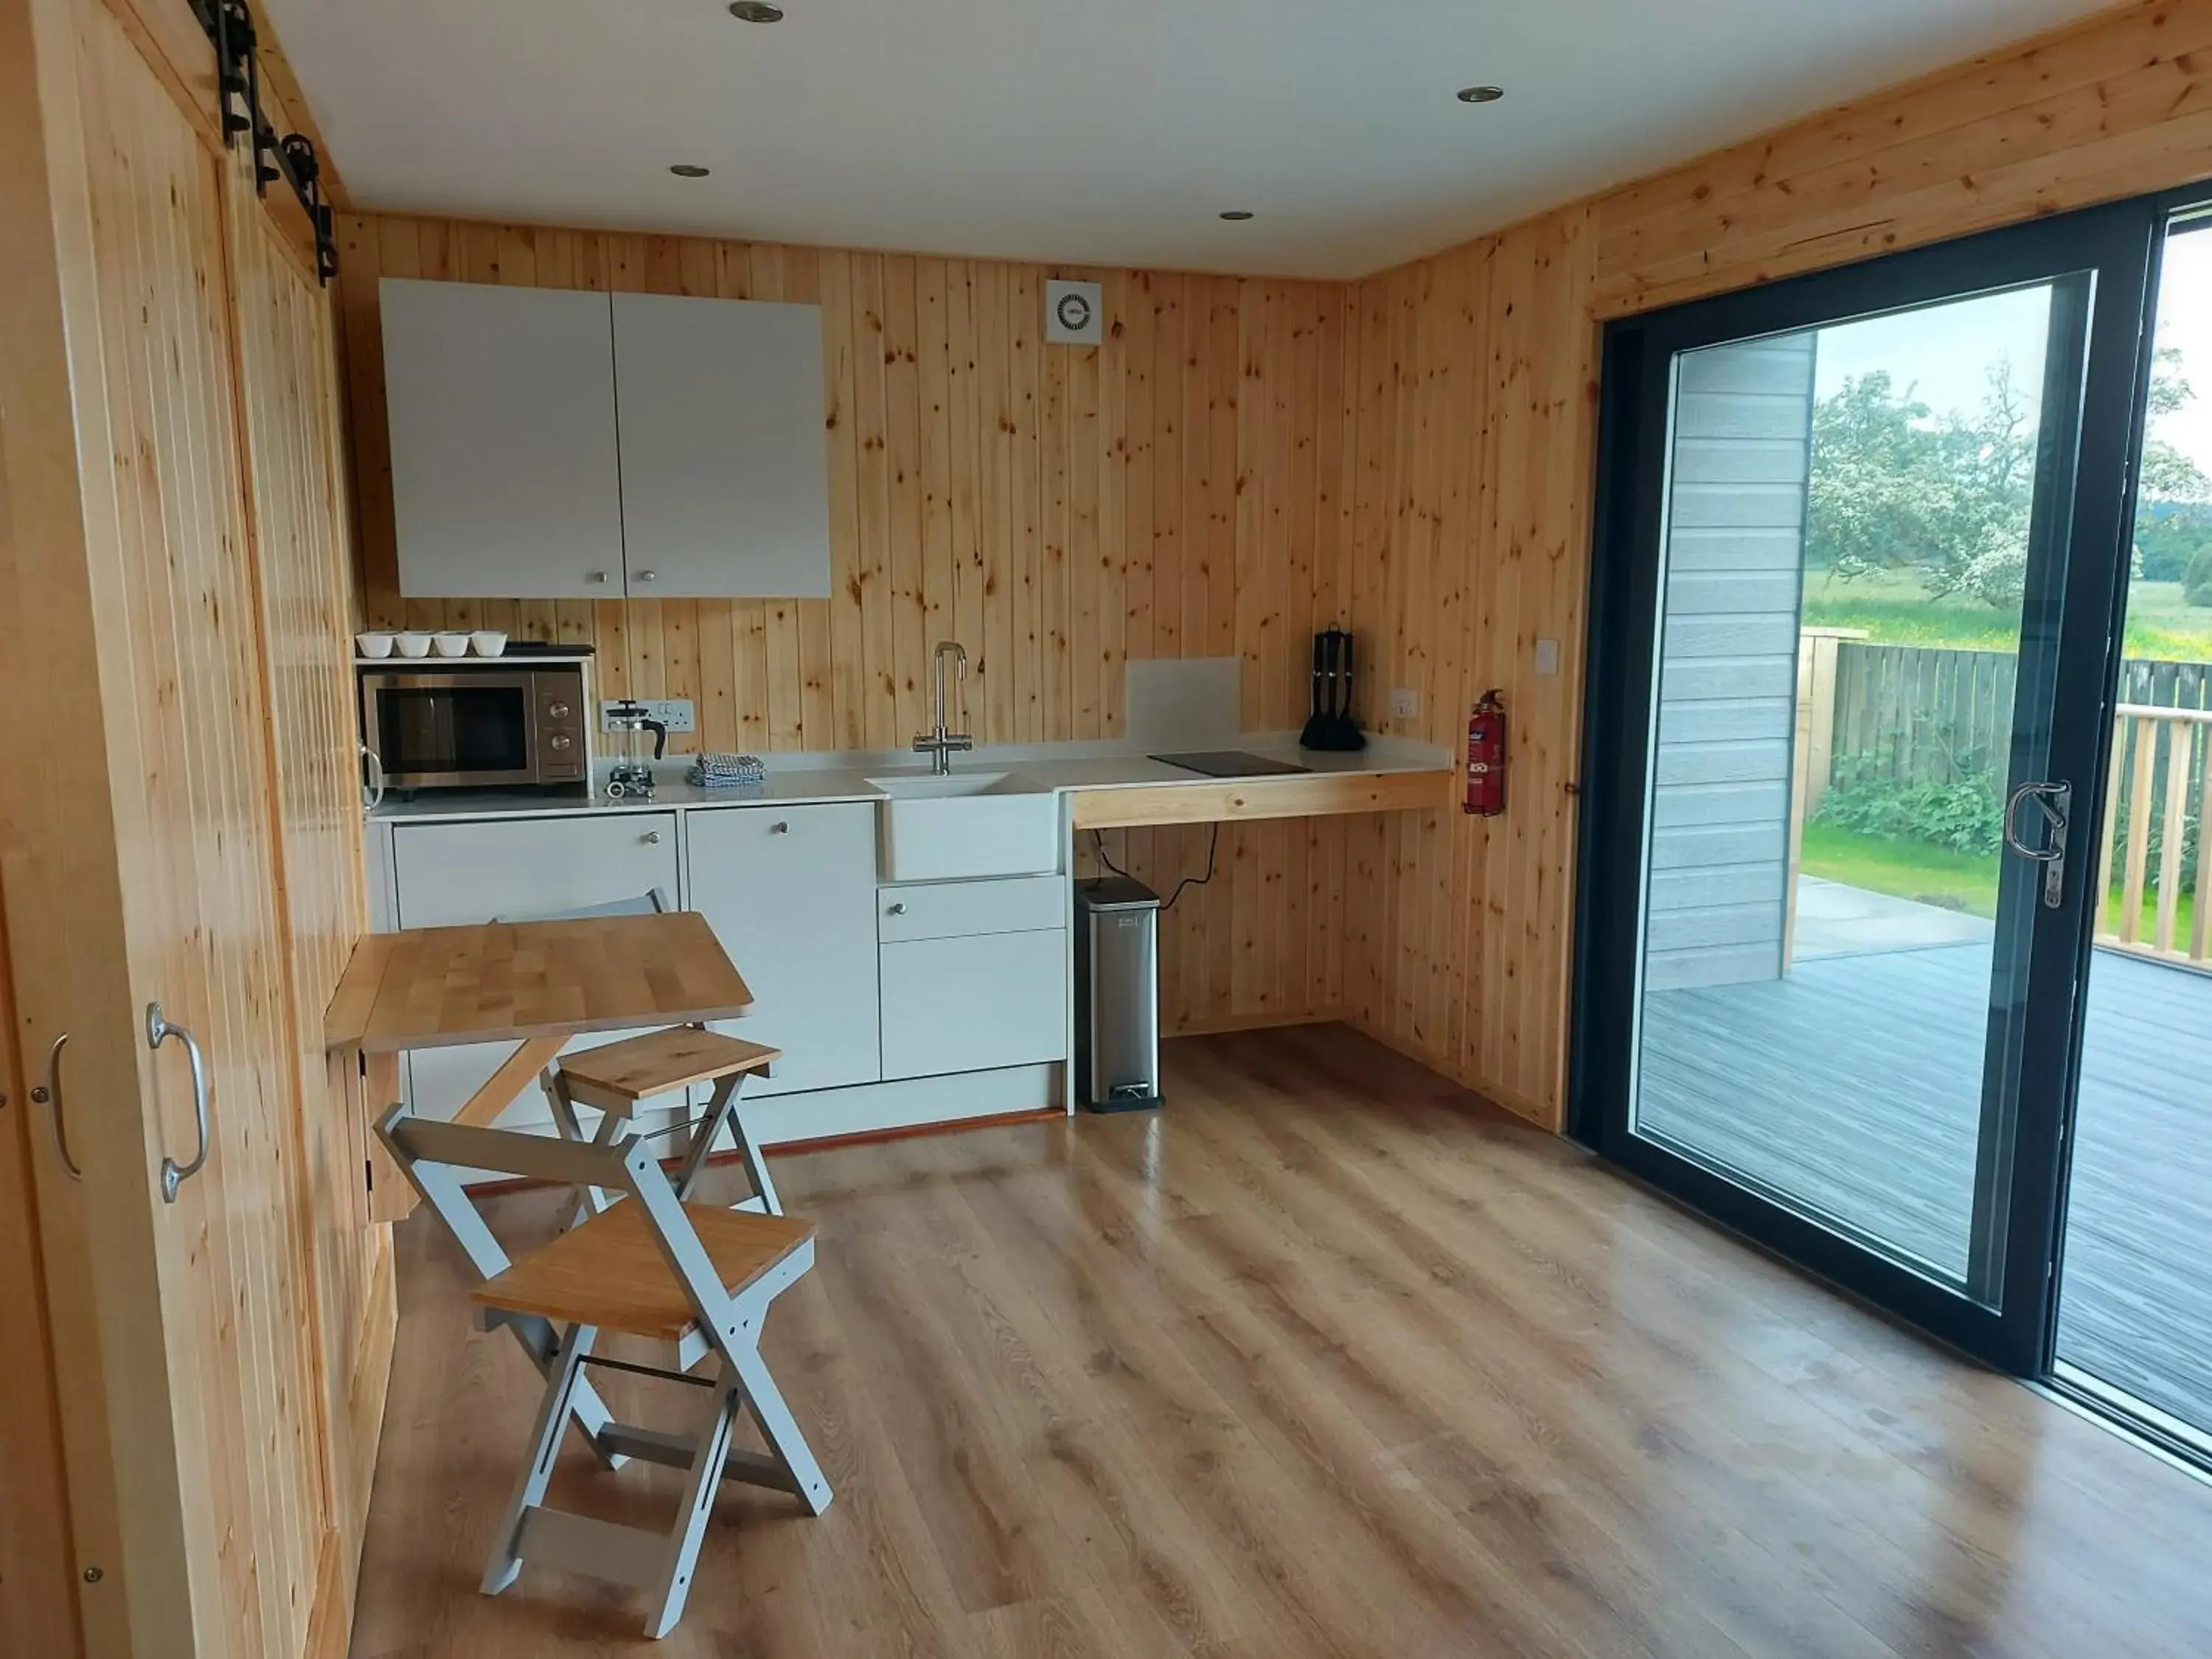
{"x": 725, "y": 454}
{"x": 501, "y": 407}
{"x": 454, "y": 874}
{"x": 550, "y": 444}
{"x": 791, "y": 893}
{"x": 973, "y": 974}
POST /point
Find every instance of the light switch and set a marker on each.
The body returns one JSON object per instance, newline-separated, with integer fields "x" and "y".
{"x": 1405, "y": 704}
{"x": 1547, "y": 656}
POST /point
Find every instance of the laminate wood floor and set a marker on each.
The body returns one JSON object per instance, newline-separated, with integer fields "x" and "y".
{"x": 1325, "y": 1358}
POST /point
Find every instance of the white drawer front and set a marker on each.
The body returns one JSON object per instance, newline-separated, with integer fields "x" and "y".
{"x": 952, "y": 910}
{"x": 967, "y": 1004}
{"x": 451, "y": 875}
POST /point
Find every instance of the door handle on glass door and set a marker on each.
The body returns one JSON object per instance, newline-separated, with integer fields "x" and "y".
{"x": 158, "y": 1031}
{"x": 2054, "y": 801}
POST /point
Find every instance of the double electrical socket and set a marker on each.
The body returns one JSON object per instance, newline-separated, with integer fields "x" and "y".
{"x": 674, "y": 713}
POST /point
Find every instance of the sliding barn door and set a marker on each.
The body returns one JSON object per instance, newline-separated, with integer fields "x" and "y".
{"x": 144, "y": 870}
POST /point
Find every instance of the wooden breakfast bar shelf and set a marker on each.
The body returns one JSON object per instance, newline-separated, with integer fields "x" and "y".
{"x": 535, "y": 984}
{"x": 1309, "y": 795}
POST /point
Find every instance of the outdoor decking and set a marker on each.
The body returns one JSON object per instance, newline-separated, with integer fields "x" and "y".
{"x": 1855, "y": 1084}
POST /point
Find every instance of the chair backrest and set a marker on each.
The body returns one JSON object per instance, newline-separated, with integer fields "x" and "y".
{"x": 653, "y": 903}
{"x": 432, "y": 1154}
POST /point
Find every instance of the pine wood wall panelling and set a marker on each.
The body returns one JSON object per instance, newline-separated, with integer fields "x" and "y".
{"x": 1058, "y": 511}
{"x": 2117, "y": 105}
{"x": 1468, "y": 412}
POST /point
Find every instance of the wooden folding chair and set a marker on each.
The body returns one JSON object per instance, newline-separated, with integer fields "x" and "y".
{"x": 614, "y": 1078}
{"x": 696, "y": 1276}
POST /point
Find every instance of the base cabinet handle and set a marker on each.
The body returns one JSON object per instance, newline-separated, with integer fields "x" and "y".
{"x": 159, "y": 1030}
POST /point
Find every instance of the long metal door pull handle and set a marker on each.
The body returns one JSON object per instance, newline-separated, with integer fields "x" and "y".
{"x": 49, "y": 1094}
{"x": 158, "y": 1031}
{"x": 2055, "y": 801}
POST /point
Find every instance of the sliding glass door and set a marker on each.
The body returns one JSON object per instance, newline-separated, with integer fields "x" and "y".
{"x": 2135, "y": 1311}
{"x": 1860, "y": 540}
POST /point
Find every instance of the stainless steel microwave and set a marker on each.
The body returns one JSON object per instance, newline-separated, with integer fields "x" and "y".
{"x": 435, "y": 727}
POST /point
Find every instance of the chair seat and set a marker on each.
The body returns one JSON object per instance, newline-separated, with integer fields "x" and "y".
{"x": 661, "y": 1062}
{"x": 610, "y": 1271}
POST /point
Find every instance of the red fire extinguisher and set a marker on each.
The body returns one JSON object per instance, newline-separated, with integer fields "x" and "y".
{"x": 1486, "y": 757}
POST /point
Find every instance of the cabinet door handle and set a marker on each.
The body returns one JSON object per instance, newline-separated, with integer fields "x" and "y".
{"x": 158, "y": 1031}
{"x": 895, "y": 910}
{"x": 50, "y": 1093}
{"x": 595, "y": 575}
{"x": 779, "y": 827}
{"x": 653, "y": 838}
{"x": 648, "y": 575}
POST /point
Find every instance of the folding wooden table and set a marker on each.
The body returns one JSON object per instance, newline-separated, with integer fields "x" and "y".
{"x": 535, "y": 984}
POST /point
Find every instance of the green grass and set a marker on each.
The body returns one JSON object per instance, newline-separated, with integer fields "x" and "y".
{"x": 1894, "y": 610}
{"x": 1906, "y": 869}
{"x": 1935, "y": 875}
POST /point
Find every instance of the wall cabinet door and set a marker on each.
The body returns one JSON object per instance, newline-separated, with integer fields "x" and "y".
{"x": 791, "y": 893}
{"x": 454, "y": 874}
{"x": 502, "y": 409}
{"x": 724, "y": 458}
{"x": 971, "y": 1003}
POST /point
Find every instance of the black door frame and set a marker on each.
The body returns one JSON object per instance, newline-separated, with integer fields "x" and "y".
{"x": 2117, "y": 244}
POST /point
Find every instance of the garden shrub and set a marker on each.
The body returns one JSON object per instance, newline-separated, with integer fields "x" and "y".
{"x": 1864, "y": 796}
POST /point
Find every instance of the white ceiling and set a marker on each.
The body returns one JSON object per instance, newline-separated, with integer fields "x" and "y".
{"x": 1108, "y": 131}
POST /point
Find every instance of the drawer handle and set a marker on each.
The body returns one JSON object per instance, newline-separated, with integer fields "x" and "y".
{"x": 653, "y": 838}
{"x": 895, "y": 910}
{"x": 779, "y": 827}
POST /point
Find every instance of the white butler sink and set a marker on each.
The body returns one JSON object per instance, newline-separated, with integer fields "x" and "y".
{"x": 948, "y": 828}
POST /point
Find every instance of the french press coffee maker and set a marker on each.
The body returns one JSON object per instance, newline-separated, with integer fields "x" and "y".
{"x": 630, "y": 777}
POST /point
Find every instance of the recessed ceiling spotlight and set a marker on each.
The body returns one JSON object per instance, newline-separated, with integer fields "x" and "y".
{"x": 1481, "y": 94}
{"x": 1237, "y": 215}
{"x": 689, "y": 170}
{"x": 755, "y": 11}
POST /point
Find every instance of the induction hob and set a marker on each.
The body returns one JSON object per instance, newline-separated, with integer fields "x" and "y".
{"x": 1231, "y": 763}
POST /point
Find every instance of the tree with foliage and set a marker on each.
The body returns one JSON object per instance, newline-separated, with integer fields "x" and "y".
{"x": 2174, "y": 497}
{"x": 1893, "y": 489}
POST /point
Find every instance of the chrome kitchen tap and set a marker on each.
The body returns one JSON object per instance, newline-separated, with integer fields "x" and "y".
{"x": 940, "y": 743}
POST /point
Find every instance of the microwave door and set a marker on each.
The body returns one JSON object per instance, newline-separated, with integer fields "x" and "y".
{"x": 453, "y": 729}
{"x": 413, "y": 734}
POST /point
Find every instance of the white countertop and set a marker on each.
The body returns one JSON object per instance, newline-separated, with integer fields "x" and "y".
{"x": 800, "y": 779}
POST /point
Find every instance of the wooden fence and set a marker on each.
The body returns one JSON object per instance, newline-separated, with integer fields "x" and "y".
{"x": 1922, "y": 714}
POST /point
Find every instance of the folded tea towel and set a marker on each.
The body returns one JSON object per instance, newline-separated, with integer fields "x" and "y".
{"x": 727, "y": 772}
{"x": 730, "y": 765}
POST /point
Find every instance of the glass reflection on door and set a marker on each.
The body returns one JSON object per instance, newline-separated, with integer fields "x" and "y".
{"x": 1833, "y": 947}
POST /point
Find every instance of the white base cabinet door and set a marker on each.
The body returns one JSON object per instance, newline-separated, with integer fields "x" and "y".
{"x": 970, "y": 1002}
{"x": 791, "y": 892}
{"x": 449, "y": 875}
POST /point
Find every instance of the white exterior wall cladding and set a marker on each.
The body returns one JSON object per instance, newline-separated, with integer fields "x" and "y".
{"x": 1720, "y": 833}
